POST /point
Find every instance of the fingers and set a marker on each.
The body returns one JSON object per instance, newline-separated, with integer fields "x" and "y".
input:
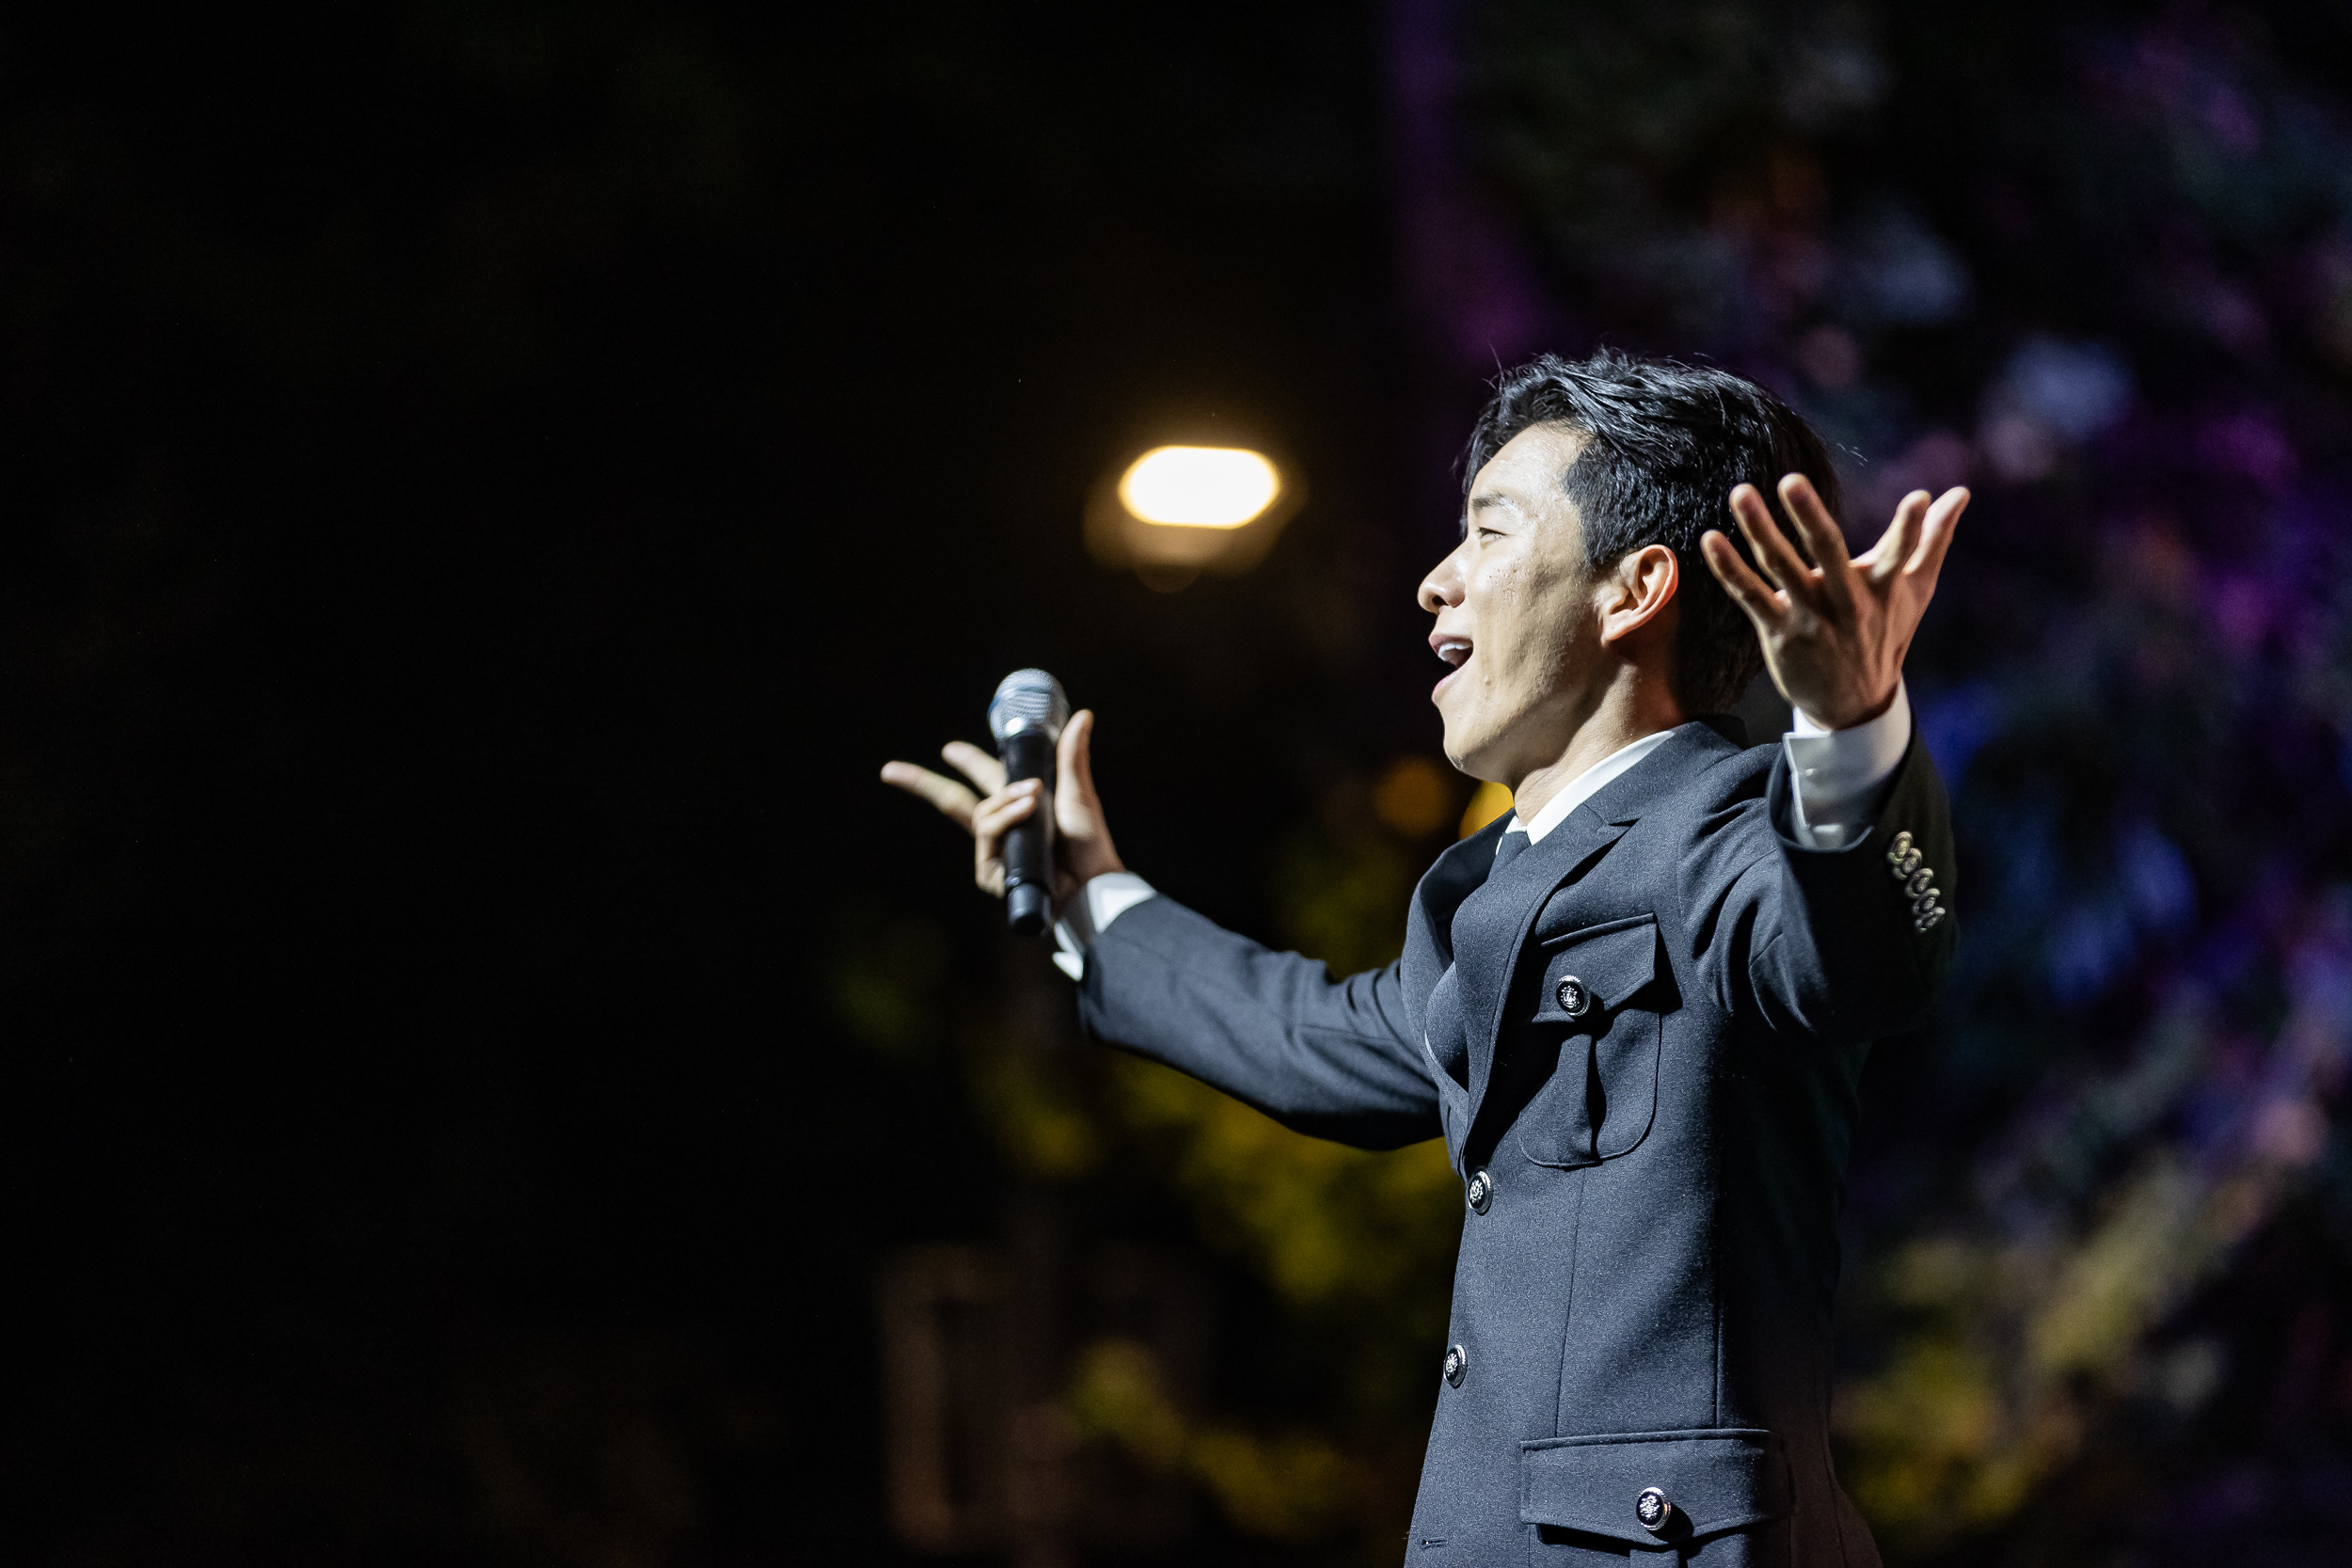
{"x": 995, "y": 817}
{"x": 1936, "y": 533}
{"x": 1075, "y": 759}
{"x": 976, "y": 765}
{"x": 1892, "y": 549}
{"x": 1774, "y": 553}
{"x": 1076, "y": 810}
{"x": 1085, "y": 839}
{"x": 1821, "y": 533}
{"x": 1748, "y": 591}
{"x": 989, "y": 817}
{"x": 951, "y": 797}
{"x": 997, "y": 814}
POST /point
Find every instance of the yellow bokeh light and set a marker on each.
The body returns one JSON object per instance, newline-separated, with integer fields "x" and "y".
{"x": 1490, "y": 802}
{"x": 1199, "y": 486}
{"x": 1415, "y": 796}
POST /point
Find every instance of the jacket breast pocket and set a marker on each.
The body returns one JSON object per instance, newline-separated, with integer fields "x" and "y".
{"x": 1602, "y": 993}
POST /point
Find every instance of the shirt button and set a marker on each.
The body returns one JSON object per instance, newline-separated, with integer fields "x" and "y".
{"x": 1574, "y": 996}
{"x": 1456, "y": 1364}
{"x": 1897, "y": 851}
{"x": 1652, "y": 1508}
{"x": 1482, "y": 1192}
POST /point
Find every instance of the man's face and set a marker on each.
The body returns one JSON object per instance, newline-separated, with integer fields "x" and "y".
{"x": 1516, "y": 613}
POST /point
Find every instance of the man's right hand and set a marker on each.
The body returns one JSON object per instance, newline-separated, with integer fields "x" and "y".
{"x": 1082, "y": 839}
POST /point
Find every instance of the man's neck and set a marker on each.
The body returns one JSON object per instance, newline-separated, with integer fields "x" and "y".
{"x": 1624, "y": 717}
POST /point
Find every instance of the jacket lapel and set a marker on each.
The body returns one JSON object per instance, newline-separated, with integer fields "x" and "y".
{"x": 1429, "y": 923}
{"x": 1490, "y": 925}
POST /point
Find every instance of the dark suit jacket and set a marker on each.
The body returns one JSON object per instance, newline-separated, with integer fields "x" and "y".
{"x": 1645, "y": 1299}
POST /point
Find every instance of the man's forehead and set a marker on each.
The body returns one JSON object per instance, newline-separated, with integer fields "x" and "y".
{"x": 1529, "y": 465}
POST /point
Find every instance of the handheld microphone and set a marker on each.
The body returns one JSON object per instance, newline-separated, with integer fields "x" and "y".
{"x": 1026, "y": 717}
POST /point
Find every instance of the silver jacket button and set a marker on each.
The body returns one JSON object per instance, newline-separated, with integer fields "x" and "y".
{"x": 1456, "y": 1364}
{"x": 1482, "y": 1192}
{"x": 1652, "y": 1508}
{"x": 1574, "y": 996}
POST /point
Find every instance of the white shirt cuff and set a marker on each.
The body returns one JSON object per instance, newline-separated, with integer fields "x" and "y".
{"x": 1104, "y": 899}
{"x": 1837, "y": 772}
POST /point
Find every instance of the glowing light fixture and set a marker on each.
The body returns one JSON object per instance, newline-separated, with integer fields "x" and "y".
{"x": 1199, "y": 486}
{"x": 1181, "y": 510}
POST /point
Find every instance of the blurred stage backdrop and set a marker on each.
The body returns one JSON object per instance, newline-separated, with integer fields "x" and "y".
{"x": 492, "y": 1078}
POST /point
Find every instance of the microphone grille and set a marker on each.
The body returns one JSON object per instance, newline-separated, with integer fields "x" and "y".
{"x": 1028, "y": 699}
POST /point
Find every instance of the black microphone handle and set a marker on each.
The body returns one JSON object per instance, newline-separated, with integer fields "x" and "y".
{"x": 1029, "y": 846}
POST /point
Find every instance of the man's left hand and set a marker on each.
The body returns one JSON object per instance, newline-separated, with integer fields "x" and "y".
{"x": 1834, "y": 635}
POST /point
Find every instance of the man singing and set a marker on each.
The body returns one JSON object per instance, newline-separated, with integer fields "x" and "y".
{"x": 1638, "y": 1009}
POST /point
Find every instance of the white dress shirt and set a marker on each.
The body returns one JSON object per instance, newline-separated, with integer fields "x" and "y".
{"x": 1837, "y": 774}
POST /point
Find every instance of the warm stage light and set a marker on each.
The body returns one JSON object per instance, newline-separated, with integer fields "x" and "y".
{"x": 1199, "y": 487}
{"x": 1179, "y": 510}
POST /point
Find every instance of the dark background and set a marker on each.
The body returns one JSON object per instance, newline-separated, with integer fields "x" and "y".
{"x": 485, "y": 485}
{"x": 489, "y": 486}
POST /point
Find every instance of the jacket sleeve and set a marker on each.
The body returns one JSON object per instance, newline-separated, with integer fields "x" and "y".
{"x": 1849, "y": 944}
{"x": 1337, "y": 1060}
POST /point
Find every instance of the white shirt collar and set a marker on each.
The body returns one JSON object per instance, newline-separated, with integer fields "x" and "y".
{"x": 1584, "y": 787}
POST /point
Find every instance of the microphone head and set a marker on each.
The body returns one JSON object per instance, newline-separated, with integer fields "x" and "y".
{"x": 1028, "y": 702}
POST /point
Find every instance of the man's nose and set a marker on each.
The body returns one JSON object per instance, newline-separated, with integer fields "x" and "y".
{"x": 1442, "y": 589}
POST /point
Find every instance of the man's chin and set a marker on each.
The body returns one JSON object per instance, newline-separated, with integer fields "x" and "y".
{"x": 1468, "y": 753}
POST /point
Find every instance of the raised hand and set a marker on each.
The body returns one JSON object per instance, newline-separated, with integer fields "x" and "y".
{"x": 1835, "y": 634}
{"x": 1082, "y": 837}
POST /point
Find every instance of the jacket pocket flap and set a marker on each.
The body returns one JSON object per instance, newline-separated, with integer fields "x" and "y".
{"x": 1590, "y": 972}
{"x": 1716, "y": 1480}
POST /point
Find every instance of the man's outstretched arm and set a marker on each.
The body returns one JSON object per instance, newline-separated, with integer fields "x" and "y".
{"x": 1339, "y": 1060}
{"x": 1335, "y": 1059}
{"x": 1846, "y": 935}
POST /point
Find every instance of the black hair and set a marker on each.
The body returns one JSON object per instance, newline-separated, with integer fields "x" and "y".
{"x": 1666, "y": 443}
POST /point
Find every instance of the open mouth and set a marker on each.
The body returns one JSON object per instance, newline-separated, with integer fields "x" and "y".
{"x": 1456, "y": 651}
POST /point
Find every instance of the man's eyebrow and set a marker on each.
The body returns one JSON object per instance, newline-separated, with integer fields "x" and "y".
{"x": 1479, "y": 503}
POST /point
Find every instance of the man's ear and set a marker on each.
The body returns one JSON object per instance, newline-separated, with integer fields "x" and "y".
{"x": 1636, "y": 591}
